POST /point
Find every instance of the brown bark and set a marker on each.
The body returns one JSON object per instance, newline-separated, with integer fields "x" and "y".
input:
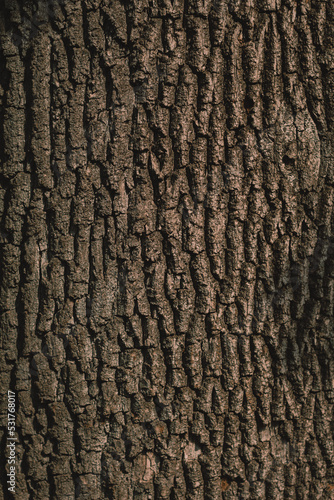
{"x": 167, "y": 250}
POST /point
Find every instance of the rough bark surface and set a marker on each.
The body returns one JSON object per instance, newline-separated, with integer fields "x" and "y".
{"x": 167, "y": 248}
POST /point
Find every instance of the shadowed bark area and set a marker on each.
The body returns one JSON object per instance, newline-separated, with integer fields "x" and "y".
{"x": 167, "y": 248}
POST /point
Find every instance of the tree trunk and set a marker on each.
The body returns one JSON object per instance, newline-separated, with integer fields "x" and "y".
{"x": 167, "y": 249}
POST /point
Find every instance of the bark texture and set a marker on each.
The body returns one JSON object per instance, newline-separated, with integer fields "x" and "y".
{"x": 167, "y": 248}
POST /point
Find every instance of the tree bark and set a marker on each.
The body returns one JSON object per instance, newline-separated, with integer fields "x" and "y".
{"x": 167, "y": 249}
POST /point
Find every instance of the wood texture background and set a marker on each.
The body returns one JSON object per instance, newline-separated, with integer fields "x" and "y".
{"x": 167, "y": 250}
